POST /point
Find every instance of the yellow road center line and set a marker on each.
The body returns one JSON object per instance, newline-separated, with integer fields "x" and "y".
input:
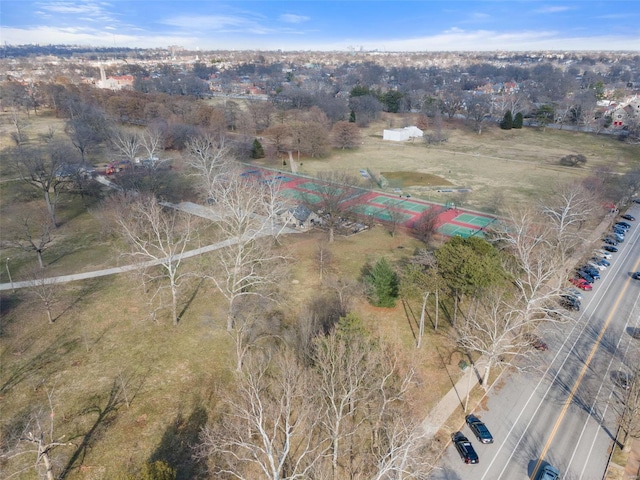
{"x": 582, "y": 373}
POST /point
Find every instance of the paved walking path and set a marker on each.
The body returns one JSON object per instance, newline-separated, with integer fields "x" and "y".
{"x": 187, "y": 207}
{"x": 453, "y": 399}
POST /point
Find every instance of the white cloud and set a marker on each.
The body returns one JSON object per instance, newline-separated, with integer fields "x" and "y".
{"x": 291, "y": 18}
{"x": 553, "y": 9}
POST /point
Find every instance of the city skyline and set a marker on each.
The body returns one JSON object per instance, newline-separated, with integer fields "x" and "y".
{"x": 485, "y": 25}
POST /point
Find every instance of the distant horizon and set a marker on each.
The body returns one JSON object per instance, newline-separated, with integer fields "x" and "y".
{"x": 326, "y": 25}
{"x": 168, "y": 47}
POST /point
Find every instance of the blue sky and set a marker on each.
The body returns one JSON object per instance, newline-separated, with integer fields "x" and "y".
{"x": 327, "y": 25}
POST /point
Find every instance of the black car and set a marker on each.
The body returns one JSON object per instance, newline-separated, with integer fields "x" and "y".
{"x": 589, "y": 270}
{"x": 610, "y": 248}
{"x": 464, "y": 447}
{"x": 635, "y": 275}
{"x": 585, "y": 276}
{"x": 610, "y": 241}
{"x": 479, "y": 429}
{"x": 624, "y": 225}
{"x": 619, "y": 231}
{"x": 626, "y": 216}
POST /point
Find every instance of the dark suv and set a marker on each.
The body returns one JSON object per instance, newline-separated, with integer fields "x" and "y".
{"x": 479, "y": 429}
{"x": 464, "y": 447}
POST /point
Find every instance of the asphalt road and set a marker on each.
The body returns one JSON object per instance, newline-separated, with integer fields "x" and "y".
{"x": 563, "y": 409}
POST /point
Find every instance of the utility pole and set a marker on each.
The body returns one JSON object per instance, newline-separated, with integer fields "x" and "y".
{"x": 9, "y": 273}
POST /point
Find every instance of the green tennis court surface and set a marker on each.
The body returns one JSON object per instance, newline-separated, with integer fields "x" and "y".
{"x": 399, "y": 204}
{"x": 473, "y": 219}
{"x": 382, "y": 213}
{"x": 453, "y": 230}
{"x": 315, "y": 187}
{"x": 301, "y": 196}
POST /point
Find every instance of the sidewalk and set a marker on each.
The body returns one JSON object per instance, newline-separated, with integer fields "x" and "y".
{"x": 454, "y": 398}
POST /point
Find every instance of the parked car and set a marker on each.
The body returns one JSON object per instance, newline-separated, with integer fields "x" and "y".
{"x": 610, "y": 248}
{"x": 549, "y": 473}
{"x": 479, "y": 429}
{"x": 610, "y": 241}
{"x": 635, "y": 275}
{"x": 535, "y": 341}
{"x": 581, "y": 283}
{"x": 596, "y": 265}
{"x": 635, "y": 333}
{"x": 574, "y": 292}
{"x": 464, "y": 447}
{"x": 585, "y": 276}
{"x": 626, "y": 216}
{"x": 603, "y": 253}
{"x": 616, "y": 237}
{"x": 637, "y": 200}
{"x": 591, "y": 271}
{"x": 601, "y": 261}
{"x": 624, "y": 225}
{"x": 619, "y": 233}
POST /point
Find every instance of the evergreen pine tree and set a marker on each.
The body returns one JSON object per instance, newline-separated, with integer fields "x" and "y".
{"x": 384, "y": 284}
{"x": 352, "y": 117}
{"x": 507, "y": 121}
{"x": 517, "y": 121}
{"x": 257, "y": 151}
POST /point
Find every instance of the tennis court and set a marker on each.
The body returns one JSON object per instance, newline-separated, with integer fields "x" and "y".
{"x": 304, "y": 197}
{"x": 453, "y": 230}
{"x": 382, "y": 213}
{"x": 471, "y": 219}
{"x": 400, "y": 204}
{"x": 317, "y": 187}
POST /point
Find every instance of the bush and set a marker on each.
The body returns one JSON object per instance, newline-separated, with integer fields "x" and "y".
{"x": 573, "y": 160}
{"x": 383, "y": 284}
{"x": 518, "y": 120}
{"x": 507, "y": 121}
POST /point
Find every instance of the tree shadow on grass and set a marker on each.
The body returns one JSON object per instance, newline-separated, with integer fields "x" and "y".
{"x": 188, "y": 303}
{"x": 177, "y": 447}
{"x": 124, "y": 390}
{"x": 105, "y": 416}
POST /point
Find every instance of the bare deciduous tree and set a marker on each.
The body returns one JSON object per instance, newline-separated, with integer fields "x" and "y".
{"x": 267, "y": 430}
{"x": 152, "y": 141}
{"x": 41, "y": 168}
{"x": 35, "y": 235}
{"x": 45, "y": 290}
{"x": 570, "y": 206}
{"x": 39, "y": 439}
{"x": 346, "y": 135}
{"x": 249, "y": 263}
{"x": 157, "y": 236}
{"x": 209, "y": 157}
{"x": 335, "y": 188}
{"x": 126, "y": 142}
{"x": 527, "y": 239}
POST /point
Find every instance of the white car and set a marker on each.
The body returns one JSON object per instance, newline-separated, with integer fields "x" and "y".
{"x": 595, "y": 265}
{"x": 603, "y": 254}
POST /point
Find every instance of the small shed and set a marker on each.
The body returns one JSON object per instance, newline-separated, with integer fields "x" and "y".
{"x": 402, "y": 134}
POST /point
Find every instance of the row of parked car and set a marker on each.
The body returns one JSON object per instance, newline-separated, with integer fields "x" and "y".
{"x": 587, "y": 274}
{"x": 469, "y": 455}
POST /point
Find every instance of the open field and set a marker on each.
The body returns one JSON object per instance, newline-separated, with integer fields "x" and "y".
{"x": 519, "y": 165}
{"x": 127, "y": 389}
